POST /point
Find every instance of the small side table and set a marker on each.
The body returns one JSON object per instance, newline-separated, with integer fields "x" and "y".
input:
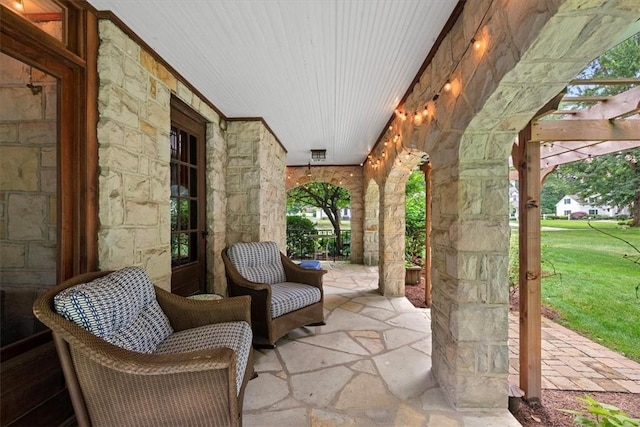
{"x": 206, "y": 297}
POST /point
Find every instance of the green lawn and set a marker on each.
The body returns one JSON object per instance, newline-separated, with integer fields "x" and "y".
{"x": 594, "y": 285}
{"x": 326, "y": 224}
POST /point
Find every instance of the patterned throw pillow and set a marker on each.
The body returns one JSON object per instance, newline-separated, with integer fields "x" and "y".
{"x": 258, "y": 261}
{"x": 120, "y": 308}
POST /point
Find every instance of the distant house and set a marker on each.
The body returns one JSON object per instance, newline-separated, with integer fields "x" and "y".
{"x": 514, "y": 196}
{"x": 571, "y": 204}
{"x": 315, "y": 214}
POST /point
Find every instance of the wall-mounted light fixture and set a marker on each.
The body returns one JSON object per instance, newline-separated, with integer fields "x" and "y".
{"x": 319, "y": 155}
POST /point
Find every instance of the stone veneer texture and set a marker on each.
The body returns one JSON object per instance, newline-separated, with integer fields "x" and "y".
{"x": 133, "y": 135}
{"x": 255, "y": 184}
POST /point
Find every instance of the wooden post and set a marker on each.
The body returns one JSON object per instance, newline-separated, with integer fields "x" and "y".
{"x": 426, "y": 168}
{"x": 528, "y": 164}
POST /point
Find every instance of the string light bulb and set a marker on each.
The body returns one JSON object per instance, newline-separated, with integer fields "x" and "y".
{"x": 425, "y": 112}
{"x": 18, "y": 5}
{"x": 447, "y": 86}
{"x": 477, "y": 44}
{"x": 417, "y": 119}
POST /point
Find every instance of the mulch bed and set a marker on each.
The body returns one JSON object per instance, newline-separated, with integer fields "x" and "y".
{"x": 548, "y": 413}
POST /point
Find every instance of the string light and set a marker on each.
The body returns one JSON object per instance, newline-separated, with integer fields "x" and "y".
{"x": 19, "y": 5}
{"x": 478, "y": 44}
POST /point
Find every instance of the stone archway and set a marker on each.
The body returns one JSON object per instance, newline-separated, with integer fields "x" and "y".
{"x": 392, "y": 222}
{"x": 349, "y": 177}
{"x": 529, "y": 52}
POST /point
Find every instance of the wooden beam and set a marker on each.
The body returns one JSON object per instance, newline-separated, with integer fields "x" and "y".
{"x": 529, "y": 275}
{"x": 585, "y": 130}
{"x": 604, "y": 82}
{"x": 585, "y": 98}
{"x": 616, "y": 106}
{"x": 566, "y": 152}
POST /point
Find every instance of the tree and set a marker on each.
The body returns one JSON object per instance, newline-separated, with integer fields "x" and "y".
{"x": 415, "y": 211}
{"x": 554, "y": 188}
{"x": 615, "y": 178}
{"x": 621, "y": 61}
{"x": 328, "y": 197}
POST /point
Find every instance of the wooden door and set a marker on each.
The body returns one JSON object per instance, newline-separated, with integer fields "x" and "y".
{"x": 187, "y": 202}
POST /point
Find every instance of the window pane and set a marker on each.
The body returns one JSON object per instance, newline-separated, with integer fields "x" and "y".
{"x": 47, "y": 15}
{"x": 184, "y": 146}
{"x": 194, "y": 215}
{"x": 193, "y": 183}
{"x": 193, "y": 149}
{"x": 28, "y": 243}
{"x": 183, "y": 214}
{"x": 174, "y": 143}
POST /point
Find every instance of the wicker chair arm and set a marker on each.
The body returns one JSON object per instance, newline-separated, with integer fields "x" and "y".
{"x": 131, "y": 362}
{"x": 186, "y": 313}
{"x": 297, "y": 274}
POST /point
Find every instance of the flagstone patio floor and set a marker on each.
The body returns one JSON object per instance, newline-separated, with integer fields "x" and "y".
{"x": 369, "y": 366}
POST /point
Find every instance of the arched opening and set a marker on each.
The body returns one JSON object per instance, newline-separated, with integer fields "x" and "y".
{"x": 319, "y": 221}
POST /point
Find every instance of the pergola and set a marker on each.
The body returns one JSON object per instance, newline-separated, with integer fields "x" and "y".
{"x": 553, "y": 137}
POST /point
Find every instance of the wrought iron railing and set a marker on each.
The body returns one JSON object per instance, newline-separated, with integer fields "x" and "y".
{"x": 318, "y": 244}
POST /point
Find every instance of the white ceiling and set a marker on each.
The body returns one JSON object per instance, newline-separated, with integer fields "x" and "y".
{"x": 324, "y": 74}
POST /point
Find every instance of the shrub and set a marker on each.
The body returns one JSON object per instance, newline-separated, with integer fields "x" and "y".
{"x": 597, "y": 414}
{"x": 298, "y": 227}
{"x": 578, "y": 215}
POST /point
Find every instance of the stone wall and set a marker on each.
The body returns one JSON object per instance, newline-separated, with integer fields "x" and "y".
{"x": 133, "y": 135}
{"x": 348, "y": 177}
{"x": 255, "y": 184}
{"x": 28, "y": 193}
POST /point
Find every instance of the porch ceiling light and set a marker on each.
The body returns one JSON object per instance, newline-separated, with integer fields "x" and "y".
{"x": 319, "y": 155}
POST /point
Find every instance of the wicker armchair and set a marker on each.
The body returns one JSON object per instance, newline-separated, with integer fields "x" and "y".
{"x": 283, "y": 295}
{"x": 193, "y": 381}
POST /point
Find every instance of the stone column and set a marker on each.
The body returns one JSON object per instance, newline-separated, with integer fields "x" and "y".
{"x": 256, "y": 194}
{"x": 392, "y": 237}
{"x": 371, "y": 221}
{"x": 470, "y": 295}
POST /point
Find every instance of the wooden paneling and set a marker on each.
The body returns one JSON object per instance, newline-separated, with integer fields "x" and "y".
{"x": 30, "y": 380}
